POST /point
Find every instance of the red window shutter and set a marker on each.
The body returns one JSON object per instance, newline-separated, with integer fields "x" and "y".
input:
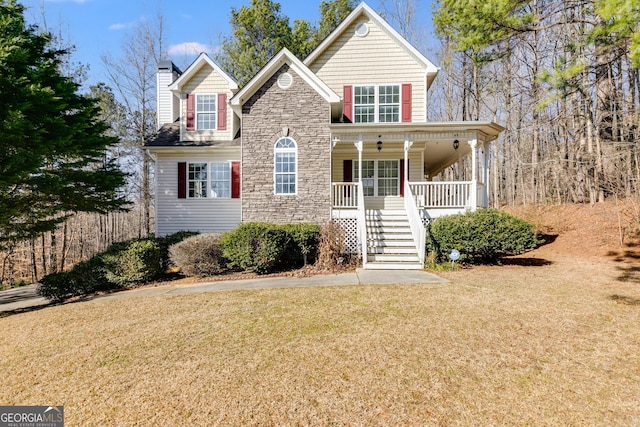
{"x": 191, "y": 111}
{"x": 235, "y": 180}
{"x": 222, "y": 111}
{"x": 406, "y": 103}
{"x": 347, "y": 103}
{"x": 182, "y": 180}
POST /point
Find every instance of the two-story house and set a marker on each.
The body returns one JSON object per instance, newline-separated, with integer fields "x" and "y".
{"x": 342, "y": 135}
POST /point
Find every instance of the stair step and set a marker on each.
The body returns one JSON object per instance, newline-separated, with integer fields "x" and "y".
{"x": 393, "y": 258}
{"x": 391, "y": 250}
{"x": 389, "y": 236}
{"x": 393, "y": 266}
{"x": 390, "y": 243}
{"x": 401, "y": 212}
{"x": 405, "y": 243}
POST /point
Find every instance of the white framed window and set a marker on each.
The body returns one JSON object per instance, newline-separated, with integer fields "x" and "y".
{"x": 376, "y": 104}
{"x": 379, "y": 177}
{"x": 364, "y": 104}
{"x": 221, "y": 180}
{"x": 209, "y": 180}
{"x": 206, "y": 111}
{"x": 197, "y": 180}
{"x": 285, "y": 161}
{"x": 389, "y": 104}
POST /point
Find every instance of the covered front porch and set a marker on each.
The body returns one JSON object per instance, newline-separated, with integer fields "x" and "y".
{"x": 387, "y": 184}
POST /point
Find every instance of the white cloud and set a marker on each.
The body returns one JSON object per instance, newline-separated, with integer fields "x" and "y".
{"x": 187, "y": 48}
{"x": 124, "y": 25}
{"x": 118, "y": 26}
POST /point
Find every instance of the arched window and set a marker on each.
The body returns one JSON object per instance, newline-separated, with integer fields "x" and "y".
{"x": 285, "y": 166}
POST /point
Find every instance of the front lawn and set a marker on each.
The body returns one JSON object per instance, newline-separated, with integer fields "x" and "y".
{"x": 504, "y": 345}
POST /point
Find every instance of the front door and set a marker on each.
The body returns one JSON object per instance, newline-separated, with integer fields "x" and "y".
{"x": 379, "y": 177}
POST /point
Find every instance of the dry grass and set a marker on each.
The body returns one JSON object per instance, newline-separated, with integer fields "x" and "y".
{"x": 488, "y": 349}
{"x": 553, "y": 344}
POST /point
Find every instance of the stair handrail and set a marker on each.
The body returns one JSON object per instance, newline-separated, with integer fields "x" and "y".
{"x": 362, "y": 223}
{"x": 415, "y": 222}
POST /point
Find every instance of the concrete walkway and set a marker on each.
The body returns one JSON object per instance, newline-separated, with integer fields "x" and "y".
{"x": 20, "y": 298}
{"x": 360, "y": 277}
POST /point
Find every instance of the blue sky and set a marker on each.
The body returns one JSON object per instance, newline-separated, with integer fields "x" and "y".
{"x": 97, "y": 27}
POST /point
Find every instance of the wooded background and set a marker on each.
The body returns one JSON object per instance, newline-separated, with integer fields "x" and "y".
{"x": 561, "y": 77}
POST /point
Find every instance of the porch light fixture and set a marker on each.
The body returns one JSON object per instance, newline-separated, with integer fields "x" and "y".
{"x": 379, "y": 143}
{"x": 456, "y": 144}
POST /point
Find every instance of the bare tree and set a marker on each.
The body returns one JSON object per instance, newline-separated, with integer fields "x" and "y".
{"x": 132, "y": 75}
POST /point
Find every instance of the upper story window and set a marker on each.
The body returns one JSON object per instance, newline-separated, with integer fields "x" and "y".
{"x": 206, "y": 112}
{"x": 285, "y": 166}
{"x": 364, "y": 104}
{"x": 389, "y": 104}
{"x": 376, "y": 104}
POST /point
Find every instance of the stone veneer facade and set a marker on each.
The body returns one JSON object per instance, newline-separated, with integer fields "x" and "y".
{"x": 300, "y": 113}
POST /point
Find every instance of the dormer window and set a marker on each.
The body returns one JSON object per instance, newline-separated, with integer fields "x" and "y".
{"x": 206, "y": 111}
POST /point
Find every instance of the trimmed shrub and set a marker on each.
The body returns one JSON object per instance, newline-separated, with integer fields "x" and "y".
{"x": 84, "y": 278}
{"x": 131, "y": 263}
{"x": 258, "y": 247}
{"x": 305, "y": 237}
{"x": 167, "y": 241}
{"x": 198, "y": 256}
{"x": 482, "y": 236}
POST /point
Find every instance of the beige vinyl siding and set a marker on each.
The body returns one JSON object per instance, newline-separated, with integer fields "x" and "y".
{"x": 207, "y": 81}
{"x": 374, "y": 59}
{"x": 206, "y": 215}
{"x": 390, "y": 151}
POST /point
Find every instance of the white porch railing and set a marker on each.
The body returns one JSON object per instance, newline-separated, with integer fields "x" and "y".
{"x": 345, "y": 195}
{"x": 415, "y": 222}
{"x": 441, "y": 194}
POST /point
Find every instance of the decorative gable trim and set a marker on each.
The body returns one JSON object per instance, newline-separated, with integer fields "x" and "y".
{"x": 202, "y": 60}
{"x": 283, "y": 57}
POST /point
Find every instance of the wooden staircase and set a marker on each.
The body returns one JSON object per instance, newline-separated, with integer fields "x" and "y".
{"x": 390, "y": 244}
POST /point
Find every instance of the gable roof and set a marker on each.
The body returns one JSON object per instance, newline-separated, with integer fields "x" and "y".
{"x": 281, "y": 58}
{"x": 365, "y": 9}
{"x": 202, "y": 60}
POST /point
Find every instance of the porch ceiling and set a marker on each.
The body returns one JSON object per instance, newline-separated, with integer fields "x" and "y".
{"x": 436, "y": 139}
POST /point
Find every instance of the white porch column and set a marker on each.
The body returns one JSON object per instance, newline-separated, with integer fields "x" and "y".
{"x": 485, "y": 173}
{"x": 358, "y": 144}
{"x": 473, "y": 143}
{"x": 407, "y": 145}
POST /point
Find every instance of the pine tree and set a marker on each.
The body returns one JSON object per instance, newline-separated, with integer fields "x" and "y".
{"x": 53, "y": 159}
